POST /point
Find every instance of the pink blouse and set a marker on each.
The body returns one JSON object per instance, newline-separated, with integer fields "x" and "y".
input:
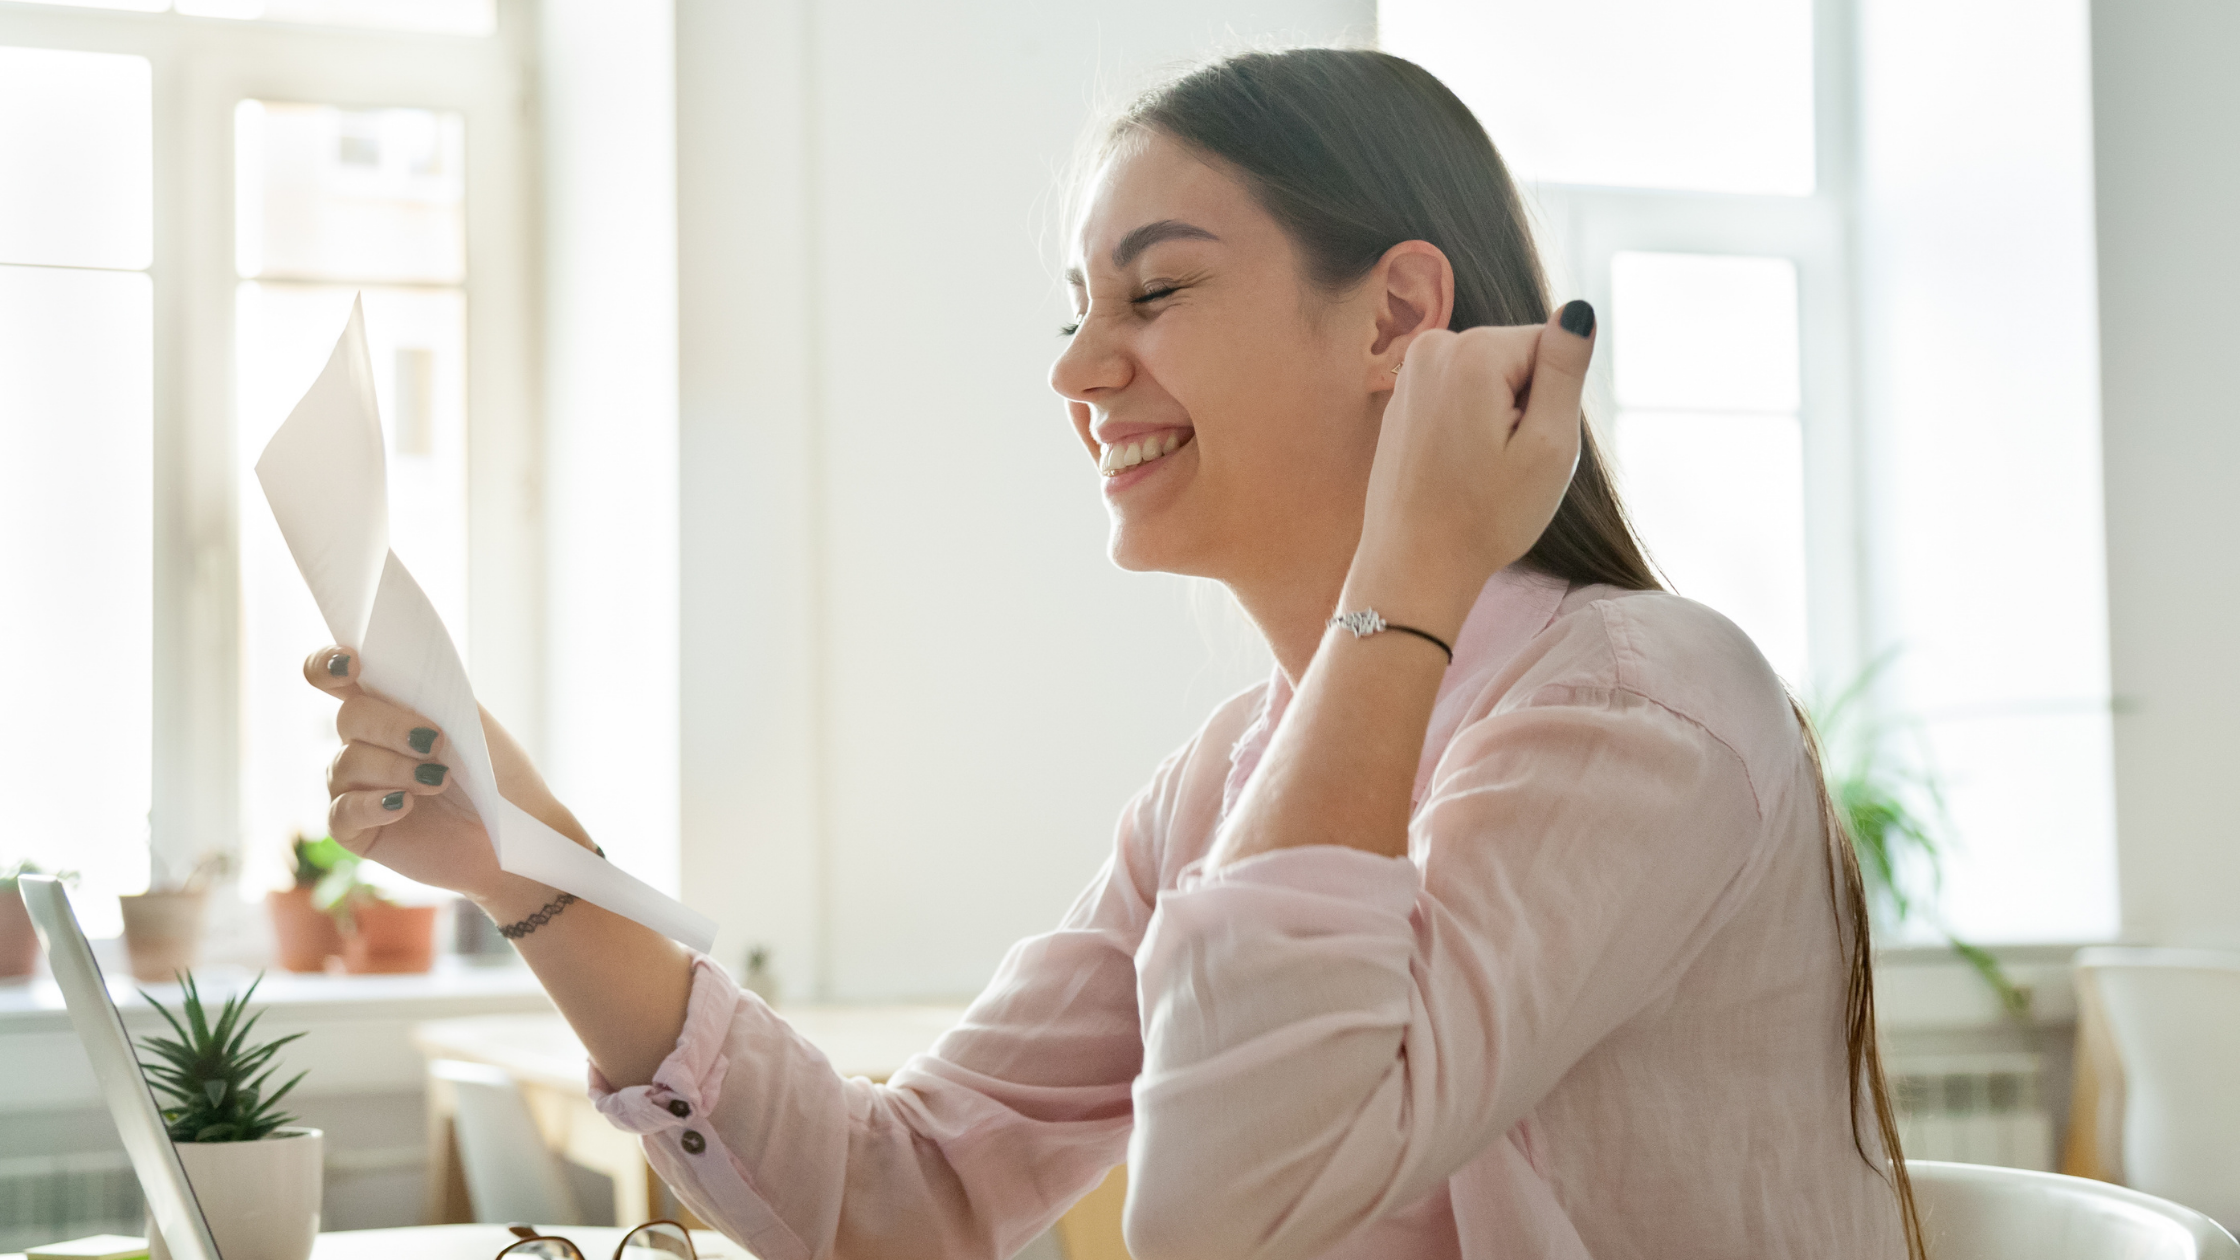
{"x": 1597, "y": 1011}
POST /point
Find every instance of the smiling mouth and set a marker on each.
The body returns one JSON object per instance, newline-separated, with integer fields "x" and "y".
{"x": 1122, "y": 456}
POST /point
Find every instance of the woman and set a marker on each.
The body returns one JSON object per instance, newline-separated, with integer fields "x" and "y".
{"x": 1552, "y": 950}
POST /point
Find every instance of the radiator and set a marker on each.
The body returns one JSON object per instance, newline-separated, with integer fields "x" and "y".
{"x": 46, "y": 1198}
{"x": 1984, "y": 1108}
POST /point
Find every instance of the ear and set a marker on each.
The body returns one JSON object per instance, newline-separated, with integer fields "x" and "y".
{"x": 1411, "y": 290}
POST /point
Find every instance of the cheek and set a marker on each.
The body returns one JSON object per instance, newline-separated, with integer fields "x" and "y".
{"x": 1259, "y": 402}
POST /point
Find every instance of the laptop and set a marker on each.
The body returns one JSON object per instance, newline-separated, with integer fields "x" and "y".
{"x": 163, "y": 1180}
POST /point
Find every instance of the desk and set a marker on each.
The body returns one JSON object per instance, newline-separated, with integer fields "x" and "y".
{"x": 481, "y": 1242}
{"x": 544, "y": 1057}
{"x": 542, "y": 1053}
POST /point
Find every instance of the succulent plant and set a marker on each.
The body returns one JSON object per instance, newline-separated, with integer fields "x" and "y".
{"x": 214, "y": 1079}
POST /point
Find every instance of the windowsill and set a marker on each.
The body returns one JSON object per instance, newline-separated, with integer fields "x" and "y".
{"x": 1925, "y": 988}
{"x": 456, "y": 986}
{"x": 359, "y": 1027}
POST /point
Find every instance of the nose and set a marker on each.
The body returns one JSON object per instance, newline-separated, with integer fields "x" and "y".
{"x": 1093, "y": 365}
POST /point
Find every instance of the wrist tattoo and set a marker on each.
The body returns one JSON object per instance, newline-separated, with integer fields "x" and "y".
{"x": 551, "y": 911}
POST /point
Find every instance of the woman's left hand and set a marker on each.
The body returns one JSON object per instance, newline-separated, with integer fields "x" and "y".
{"x": 1477, "y": 448}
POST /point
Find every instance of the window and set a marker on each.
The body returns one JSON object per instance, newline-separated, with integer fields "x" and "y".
{"x": 77, "y": 423}
{"x": 1795, "y": 216}
{"x": 331, "y": 204}
{"x": 177, "y": 254}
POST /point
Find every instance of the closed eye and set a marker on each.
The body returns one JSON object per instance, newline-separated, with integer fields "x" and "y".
{"x": 1073, "y": 326}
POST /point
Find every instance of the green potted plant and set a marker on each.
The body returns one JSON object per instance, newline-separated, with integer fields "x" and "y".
{"x": 255, "y": 1172}
{"x": 304, "y": 935}
{"x": 378, "y": 934}
{"x": 19, "y": 945}
{"x": 1882, "y": 806}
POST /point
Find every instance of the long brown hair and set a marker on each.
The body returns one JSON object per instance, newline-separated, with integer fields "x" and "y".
{"x": 1354, "y": 152}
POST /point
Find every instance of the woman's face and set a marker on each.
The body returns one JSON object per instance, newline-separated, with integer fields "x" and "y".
{"x": 1225, "y": 400}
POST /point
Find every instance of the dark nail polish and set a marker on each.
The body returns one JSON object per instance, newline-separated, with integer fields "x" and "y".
{"x": 340, "y": 665}
{"x": 1578, "y": 318}
{"x": 422, "y": 739}
{"x": 430, "y": 774}
{"x": 394, "y": 800}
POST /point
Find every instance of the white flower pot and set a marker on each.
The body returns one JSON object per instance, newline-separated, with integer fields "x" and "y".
{"x": 261, "y": 1198}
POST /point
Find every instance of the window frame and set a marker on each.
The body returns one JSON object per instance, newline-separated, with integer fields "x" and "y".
{"x": 199, "y": 69}
{"x": 1581, "y": 228}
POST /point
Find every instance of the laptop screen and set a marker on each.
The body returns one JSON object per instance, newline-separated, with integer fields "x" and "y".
{"x": 163, "y": 1180}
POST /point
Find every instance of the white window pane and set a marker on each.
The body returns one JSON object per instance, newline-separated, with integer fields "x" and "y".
{"x": 137, "y": 6}
{"x": 1719, "y": 501}
{"x": 284, "y": 334}
{"x": 1976, "y": 194}
{"x": 76, "y": 167}
{"x": 1706, "y": 332}
{"x": 1712, "y": 95}
{"x": 2032, "y": 808}
{"x": 349, "y": 194}
{"x": 77, "y": 563}
{"x": 441, "y": 17}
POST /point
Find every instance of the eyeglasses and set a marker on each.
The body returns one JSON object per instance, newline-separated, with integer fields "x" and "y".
{"x": 654, "y": 1240}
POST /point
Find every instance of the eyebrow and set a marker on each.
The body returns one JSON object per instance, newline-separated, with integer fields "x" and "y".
{"x": 1134, "y": 243}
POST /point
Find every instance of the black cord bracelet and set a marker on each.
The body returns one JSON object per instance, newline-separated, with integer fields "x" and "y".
{"x": 1368, "y": 621}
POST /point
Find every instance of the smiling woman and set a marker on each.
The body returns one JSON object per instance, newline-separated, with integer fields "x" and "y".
{"x": 1524, "y": 931}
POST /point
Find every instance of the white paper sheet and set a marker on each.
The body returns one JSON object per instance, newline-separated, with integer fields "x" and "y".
{"x": 325, "y": 475}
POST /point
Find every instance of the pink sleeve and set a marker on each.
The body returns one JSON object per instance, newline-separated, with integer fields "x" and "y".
{"x": 972, "y": 1149}
{"x": 1329, "y": 1033}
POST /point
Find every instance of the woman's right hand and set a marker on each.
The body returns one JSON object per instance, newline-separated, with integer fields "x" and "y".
{"x": 393, "y": 797}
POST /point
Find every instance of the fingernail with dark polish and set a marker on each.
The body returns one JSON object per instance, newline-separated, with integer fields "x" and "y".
{"x": 1578, "y": 318}
{"x": 340, "y": 665}
{"x": 422, "y": 739}
{"x": 394, "y": 800}
{"x": 430, "y": 774}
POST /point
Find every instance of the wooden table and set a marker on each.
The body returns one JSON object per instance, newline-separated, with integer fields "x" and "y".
{"x": 481, "y": 1242}
{"x": 542, "y": 1053}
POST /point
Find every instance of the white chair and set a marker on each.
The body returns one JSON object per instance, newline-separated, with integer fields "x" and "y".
{"x": 2174, "y": 1018}
{"x": 511, "y": 1174}
{"x": 1980, "y": 1212}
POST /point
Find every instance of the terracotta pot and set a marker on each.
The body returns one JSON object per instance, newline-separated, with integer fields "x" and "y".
{"x": 389, "y": 939}
{"x": 303, "y": 935}
{"x": 162, "y": 931}
{"x": 261, "y": 1198}
{"x": 19, "y": 945}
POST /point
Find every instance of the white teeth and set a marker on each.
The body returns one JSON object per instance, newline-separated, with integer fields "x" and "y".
{"x": 1117, "y": 459}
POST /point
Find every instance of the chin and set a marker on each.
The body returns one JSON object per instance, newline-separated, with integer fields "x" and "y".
{"x": 1139, "y": 548}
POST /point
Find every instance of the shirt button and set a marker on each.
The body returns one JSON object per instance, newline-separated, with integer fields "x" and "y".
{"x": 680, "y": 1108}
{"x": 692, "y": 1142}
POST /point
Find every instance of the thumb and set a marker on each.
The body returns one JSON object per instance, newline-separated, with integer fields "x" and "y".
{"x": 1559, "y": 375}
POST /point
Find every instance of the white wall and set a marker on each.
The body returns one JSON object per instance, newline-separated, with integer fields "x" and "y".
{"x": 915, "y": 693}
{"x": 2166, "y": 106}
{"x": 609, "y": 743}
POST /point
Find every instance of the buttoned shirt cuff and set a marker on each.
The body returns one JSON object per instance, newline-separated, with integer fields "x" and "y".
{"x": 689, "y": 1082}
